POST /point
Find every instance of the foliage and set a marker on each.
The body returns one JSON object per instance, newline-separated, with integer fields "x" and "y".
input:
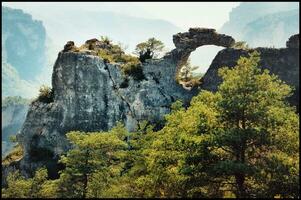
{"x": 240, "y": 141}
{"x": 149, "y": 49}
{"x": 105, "y": 39}
{"x": 46, "y": 94}
{"x": 13, "y": 138}
{"x": 18, "y": 186}
{"x": 93, "y": 163}
{"x": 36, "y": 187}
{"x": 241, "y": 45}
{"x": 130, "y": 65}
{"x": 15, "y": 155}
{"x": 186, "y": 75}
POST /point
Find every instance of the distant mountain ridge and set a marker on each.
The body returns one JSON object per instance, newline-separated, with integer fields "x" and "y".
{"x": 23, "y": 52}
{"x": 14, "y": 110}
{"x": 263, "y": 23}
{"x": 272, "y": 29}
{"x": 23, "y": 42}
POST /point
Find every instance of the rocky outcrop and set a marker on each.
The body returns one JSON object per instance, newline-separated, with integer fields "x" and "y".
{"x": 196, "y": 37}
{"x": 283, "y": 62}
{"x": 69, "y": 46}
{"x": 92, "y": 95}
{"x": 293, "y": 42}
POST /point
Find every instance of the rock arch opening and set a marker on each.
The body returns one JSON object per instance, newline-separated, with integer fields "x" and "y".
{"x": 202, "y": 57}
{"x": 187, "y": 43}
{"x": 190, "y": 74}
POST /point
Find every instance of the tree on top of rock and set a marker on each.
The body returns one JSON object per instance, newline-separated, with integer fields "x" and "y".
{"x": 149, "y": 49}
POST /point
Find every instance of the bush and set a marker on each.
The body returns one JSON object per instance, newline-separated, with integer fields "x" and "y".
{"x": 114, "y": 53}
{"x": 46, "y": 94}
{"x": 133, "y": 69}
{"x": 241, "y": 45}
{"x": 15, "y": 155}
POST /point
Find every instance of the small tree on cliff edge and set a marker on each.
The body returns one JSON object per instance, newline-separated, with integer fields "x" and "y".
{"x": 149, "y": 49}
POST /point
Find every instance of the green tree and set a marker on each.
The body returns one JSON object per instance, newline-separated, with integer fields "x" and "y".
{"x": 149, "y": 49}
{"x": 256, "y": 120}
{"x": 240, "y": 141}
{"x": 17, "y": 186}
{"x": 92, "y": 163}
{"x": 46, "y": 94}
{"x": 36, "y": 187}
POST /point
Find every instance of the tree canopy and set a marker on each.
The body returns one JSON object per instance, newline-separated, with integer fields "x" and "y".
{"x": 149, "y": 49}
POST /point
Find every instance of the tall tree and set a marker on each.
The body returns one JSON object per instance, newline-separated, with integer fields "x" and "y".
{"x": 93, "y": 160}
{"x": 240, "y": 141}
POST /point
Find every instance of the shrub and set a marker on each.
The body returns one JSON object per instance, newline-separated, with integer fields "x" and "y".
{"x": 105, "y": 55}
{"x": 15, "y": 154}
{"x": 114, "y": 53}
{"x": 134, "y": 69}
{"x": 241, "y": 45}
{"x": 46, "y": 94}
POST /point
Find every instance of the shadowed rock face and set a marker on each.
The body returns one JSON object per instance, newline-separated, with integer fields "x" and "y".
{"x": 91, "y": 95}
{"x": 293, "y": 41}
{"x": 283, "y": 62}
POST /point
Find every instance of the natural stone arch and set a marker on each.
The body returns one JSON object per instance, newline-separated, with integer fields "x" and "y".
{"x": 196, "y": 37}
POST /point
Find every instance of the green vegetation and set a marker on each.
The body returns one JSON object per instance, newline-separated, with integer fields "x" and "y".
{"x": 93, "y": 164}
{"x": 241, "y": 45}
{"x": 46, "y": 94}
{"x": 241, "y": 141}
{"x": 36, "y": 187}
{"x": 15, "y": 154}
{"x": 186, "y": 75}
{"x": 12, "y": 138}
{"x": 114, "y": 53}
{"x": 149, "y": 49}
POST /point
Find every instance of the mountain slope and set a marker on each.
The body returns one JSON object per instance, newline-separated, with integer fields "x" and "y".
{"x": 245, "y": 18}
{"x": 272, "y": 30}
{"x": 14, "y": 110}
{"x": 23, "y": 42}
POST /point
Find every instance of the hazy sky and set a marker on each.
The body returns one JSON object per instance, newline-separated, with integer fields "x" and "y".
{"x": 182, "y": 14}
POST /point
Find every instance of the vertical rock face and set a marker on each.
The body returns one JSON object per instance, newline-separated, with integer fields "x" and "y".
{"x": 293, "y": 42}
{"x": 283, "y": 62}
{"x": 89, "y": 95}
{"x": 92, "y": 95}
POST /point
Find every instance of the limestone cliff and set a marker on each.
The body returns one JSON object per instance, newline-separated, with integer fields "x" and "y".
{"x": 91, "y": 94}
{"x": 283, "y": 62}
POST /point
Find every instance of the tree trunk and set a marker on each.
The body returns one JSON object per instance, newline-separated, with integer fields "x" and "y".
{"x": 240, "y": 179}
